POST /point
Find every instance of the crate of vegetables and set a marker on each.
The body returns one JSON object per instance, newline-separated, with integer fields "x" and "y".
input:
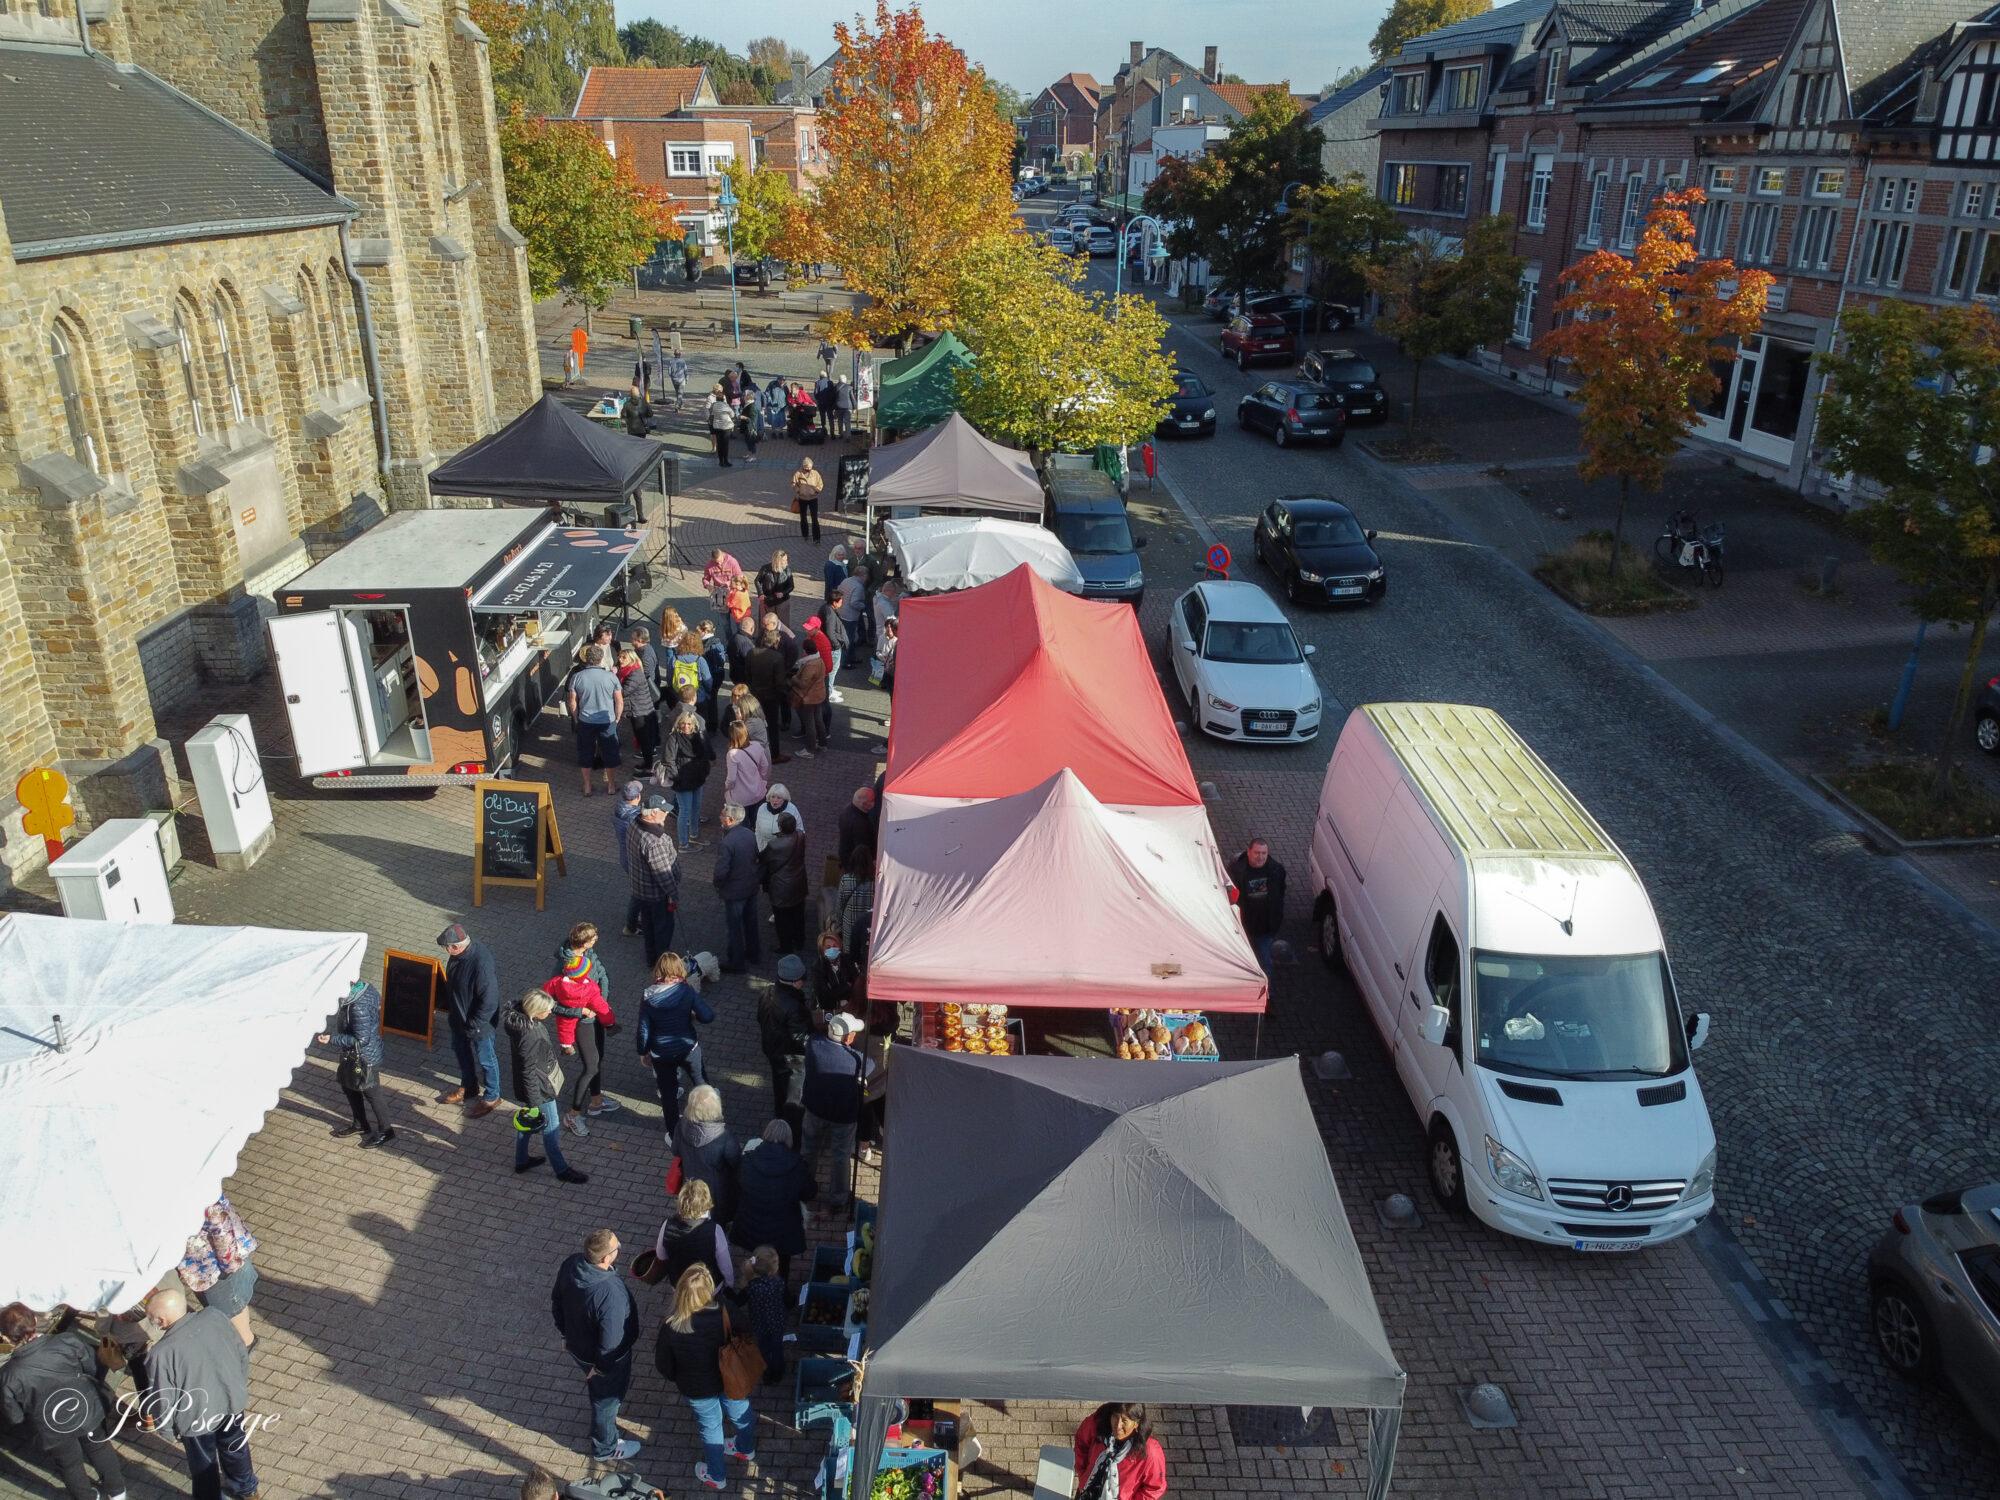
{"x": 1161, "y": 1036}
{"x": 823, "y": 1317}
{"x": 1193, "y": 1040}
{"x": 906, "y": 1474}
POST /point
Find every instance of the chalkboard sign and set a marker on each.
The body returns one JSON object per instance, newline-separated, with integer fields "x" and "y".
{"x": 410, "y": 986}
{"x": 514, "y": 834}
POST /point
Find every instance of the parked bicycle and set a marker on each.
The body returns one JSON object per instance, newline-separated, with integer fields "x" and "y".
{"x": 1687, "y": 544}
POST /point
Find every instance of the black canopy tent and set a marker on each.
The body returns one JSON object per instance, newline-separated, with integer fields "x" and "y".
{"x": 1162, "y": 1232}
{"x": 550, "y": 455}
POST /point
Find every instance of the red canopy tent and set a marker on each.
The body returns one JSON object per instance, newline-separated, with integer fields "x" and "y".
{"x": 1001, "y": 686}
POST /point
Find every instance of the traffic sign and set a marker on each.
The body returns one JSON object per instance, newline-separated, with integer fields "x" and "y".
{"x": 44, "y": 798}
{"x": 1218, "y": 560}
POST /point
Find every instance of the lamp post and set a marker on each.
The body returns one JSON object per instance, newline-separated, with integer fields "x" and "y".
{"x": 1118, "y": 279}
{"x": 1284, "y": 210}
{"x": 726, "y": 200}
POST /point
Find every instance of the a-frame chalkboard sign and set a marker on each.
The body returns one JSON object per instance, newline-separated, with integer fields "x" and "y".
{"x": 514, "y": 835}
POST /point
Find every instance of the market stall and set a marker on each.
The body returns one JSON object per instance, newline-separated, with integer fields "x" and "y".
{"x": 550, "y": 455}
{"x": 942, "y": 554}
{"x": 921, "y": 389}
{"x": 952, "y": 470}
{"x": 1148, "y": 1234}
{"x": 1051, "y": 897}
{"x": 126, "y": 1114}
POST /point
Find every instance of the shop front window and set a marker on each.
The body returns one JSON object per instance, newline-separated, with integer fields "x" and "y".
{"x": 1781, "y": 394}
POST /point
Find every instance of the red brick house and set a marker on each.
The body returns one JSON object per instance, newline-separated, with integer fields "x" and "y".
{"x": 1061, "y": 123}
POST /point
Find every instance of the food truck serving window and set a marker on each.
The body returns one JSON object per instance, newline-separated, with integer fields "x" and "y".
{"x": 566, "y": 570}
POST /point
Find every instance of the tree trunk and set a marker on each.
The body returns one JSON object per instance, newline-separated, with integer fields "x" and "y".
{"x": 1416, "y": 374}
{"x": 1962, "y": 702}
{"x": 1618, "y": 526}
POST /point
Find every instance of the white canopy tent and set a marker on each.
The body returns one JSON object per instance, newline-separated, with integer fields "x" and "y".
{"x": 937, "y": 554}
{"x": 174, "y": 1044}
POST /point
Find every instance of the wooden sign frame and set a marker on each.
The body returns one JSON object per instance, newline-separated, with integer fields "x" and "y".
{"x": 548, "y": 839}
{"x": 428, "y": 961}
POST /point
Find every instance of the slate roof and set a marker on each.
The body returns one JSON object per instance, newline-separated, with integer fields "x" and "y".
{"x": 1878, "y": 36}
{"x": 1755, "y": 39}
{"x": 1339, "y": 99}
{"x": 636, "y": 93}
{"x": 94, "y": 156}
{"x": 818, "y": 81}
{"x": 1893, "y": 98}
{"x": 1599, "y": 22}
{"x": 1501, "y": 25}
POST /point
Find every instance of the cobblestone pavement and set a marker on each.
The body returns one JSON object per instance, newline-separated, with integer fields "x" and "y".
{"x": 1852, "y": 1068}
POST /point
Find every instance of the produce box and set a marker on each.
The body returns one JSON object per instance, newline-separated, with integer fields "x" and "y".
{"x": 1176, "y": 1024}
{"x": 816, "y": 1402}
{"x": 864, "y": 1213}
{"x": 907, "y": 1474}
{"x": 829, "y": 1261}
{"x": 823, "y": 1317}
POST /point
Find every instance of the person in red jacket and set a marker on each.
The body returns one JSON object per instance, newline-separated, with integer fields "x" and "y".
{"x": 579, "y": 998}
{"x": 1117, "y": 1456}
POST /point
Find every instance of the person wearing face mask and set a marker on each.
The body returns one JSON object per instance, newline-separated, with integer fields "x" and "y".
{"x": 833, "y": 975}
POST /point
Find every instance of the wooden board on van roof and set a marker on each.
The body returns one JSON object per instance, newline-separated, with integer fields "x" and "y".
{"x": 1494, "y": 793}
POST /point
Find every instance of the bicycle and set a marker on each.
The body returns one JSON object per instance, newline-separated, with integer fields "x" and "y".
{"x": 1687, "y": 544}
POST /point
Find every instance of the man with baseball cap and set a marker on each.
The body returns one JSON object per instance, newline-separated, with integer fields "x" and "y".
{"x": 656, "y": 876}
{"x": 472, "y": 1006}
{"x": 835, "y": 1072}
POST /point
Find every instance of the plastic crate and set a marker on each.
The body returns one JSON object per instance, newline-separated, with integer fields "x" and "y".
{"x": 899, "y": 1458}
{"x": 814, "y": 1403}
{"x": 864, "y": 1213}
{"x": 823, "y": 1338}
{"x": 828, "y": 1262}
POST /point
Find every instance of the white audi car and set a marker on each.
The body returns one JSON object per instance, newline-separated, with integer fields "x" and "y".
{"x": 1239, "y": 666}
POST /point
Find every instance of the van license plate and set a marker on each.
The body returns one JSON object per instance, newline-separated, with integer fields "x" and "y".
{"x": 1608, "y": 1245}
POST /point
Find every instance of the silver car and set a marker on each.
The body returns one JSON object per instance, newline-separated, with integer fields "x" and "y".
{"x": 1934, "y": 1293}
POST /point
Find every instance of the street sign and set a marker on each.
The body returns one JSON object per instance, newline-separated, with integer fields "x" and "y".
{"x": 44, "y": 798}
{"x": 1218, "y": 560}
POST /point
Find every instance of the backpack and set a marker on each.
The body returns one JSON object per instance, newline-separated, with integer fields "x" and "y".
{"x": 686, "y": 674}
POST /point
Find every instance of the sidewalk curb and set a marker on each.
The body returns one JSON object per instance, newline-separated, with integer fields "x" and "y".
{"x": 1892, "y": 841}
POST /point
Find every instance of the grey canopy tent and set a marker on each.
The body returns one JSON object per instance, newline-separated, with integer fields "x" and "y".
{"x": 952, "y": 468}
{"x": 1166, "y": 1233}
{"x": 551, "y": 455}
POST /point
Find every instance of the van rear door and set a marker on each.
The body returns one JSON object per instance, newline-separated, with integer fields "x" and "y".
{"x": 318, "y": 689}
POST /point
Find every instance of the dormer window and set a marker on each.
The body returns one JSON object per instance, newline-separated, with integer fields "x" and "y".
{"x": 1406, "y": 95}
{"x": 1710, "y": 73}
{"x": 1461, "y": 88}
{"x": 1552, "y": 80}
{"x": 1811, "y": 95}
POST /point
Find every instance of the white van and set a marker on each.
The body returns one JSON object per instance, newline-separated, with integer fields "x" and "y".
{"x": 1512, "y": 963}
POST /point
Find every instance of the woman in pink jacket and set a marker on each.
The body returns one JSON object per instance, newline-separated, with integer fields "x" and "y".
{"x": 746, "y": 769}
{"x": 1117, "y": 1455}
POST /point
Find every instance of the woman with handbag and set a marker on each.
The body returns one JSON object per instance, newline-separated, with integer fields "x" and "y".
{"x": 707, "y": 1359}
{"x": 358, "y": 1036}
{"x": 538, "y": 1084}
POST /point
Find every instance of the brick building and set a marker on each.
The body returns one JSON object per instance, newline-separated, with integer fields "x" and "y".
{"x": 1821, "y": 131}
{"x": 1152, "y": 88}
{"x": 256, "y": 279}
{"x": 1061, "y": 124}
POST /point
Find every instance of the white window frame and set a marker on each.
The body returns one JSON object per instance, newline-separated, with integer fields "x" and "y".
{"x": 1397, "y": 174}
{"x": 1885, "y": 194}
{"x": 1899, "y": 254}
{"x": 1760, "y": 234}
{"x": 1770, "y": 181}
{"x": 1552, "y": 78}
{"x": 678, "y": 148}
{"x": 1712, "y": 229}
{"x": 611, "y": 147}
{"x": 1989, "y": 251}
{"x": 1632, "y": 211}
{"x": 1721, "y": 180}
{"x": 1955, "y": 273}
{"x": 1406, "y": 93}
{"x": 1973, "y": 201}
{"x": 1913, "y": 190}
{"x": 1525, "y": 297}
{"x": 1600, "y": 186}
{"x": 1451, "y": 91}
{"x": 1496, "y": 172}
{"x": 232, "y": 386}
{"x": 82, "y": 442}
{"x": 1829, "y": 182}
{"x": 1541, "y": 177}
{"x": 717, "y": 158}
{"x": 184, "y": 342}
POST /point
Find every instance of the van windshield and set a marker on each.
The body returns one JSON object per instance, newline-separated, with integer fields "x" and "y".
{"x": 1580, "y": 1018}
{"x": 1091, "y": 535}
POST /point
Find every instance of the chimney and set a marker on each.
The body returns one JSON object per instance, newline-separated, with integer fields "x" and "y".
{"x": 1208, "y": 65}
{"x": 1138, "y": 53}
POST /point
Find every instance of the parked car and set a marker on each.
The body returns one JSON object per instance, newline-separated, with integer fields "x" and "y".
{"x": 1103, "y": 240}
{"x": 757, "y": 273}
{"x": 1508, "y": 955}
{"x": 1191, "y": 409}
{"x": 1291, "y": 306}
{"x": 1986, "y": 717}
{"x": 1226, "y": 301}
{"x": 1350, "y": 377}
{"x": 1087, "y": 514}
{"x": 1251, "y": 337}
{"x": 1293, "y": 412}
{"x": 1934, "y": 1296}
{"x": 1319, "y": 552}
{"x": 1240, "y": 666}
{"x": 1062, "y": 239}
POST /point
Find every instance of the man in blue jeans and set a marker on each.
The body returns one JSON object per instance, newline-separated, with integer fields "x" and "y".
{"x": 736, "y": 882}
{"x": 598, "y": 1319}
{"x": 200, "y": 1374}
{"x": 472, "y": 1007}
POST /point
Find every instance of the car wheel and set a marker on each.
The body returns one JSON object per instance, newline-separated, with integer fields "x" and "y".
{"x": 1902, "y": 1330}
{"x": 1281, "y": 437}
{"x": 1986, "y": 734}
{"x": 1292, "y": 588}
{"x": 1242, "y": 360}
{"x": 1447, "y": 1169}
{"x": 1242, "y": 419}
{"x": 1328, "y": 935}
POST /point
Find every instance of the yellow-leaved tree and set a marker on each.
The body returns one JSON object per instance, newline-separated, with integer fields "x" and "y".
{"x": 1055, "y": 368}
{"x": 918, "y": 177}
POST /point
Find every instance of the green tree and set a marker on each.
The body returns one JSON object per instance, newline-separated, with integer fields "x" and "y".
{"x": 1408, "y": 19}
{"x": 1912, "y": 409}
{"x": 763, "y": 200}
{"x": 1056, "y": 369}
{"x": 538, "y": 49}
{"x": 587, "y": 219}
{"x": 1345, "y": 228}
{"x": 503, "y": 21}
{"x": 1224, "y": 206}
{"x": 771, "y": 53}
{"x": 1441, "y": 297}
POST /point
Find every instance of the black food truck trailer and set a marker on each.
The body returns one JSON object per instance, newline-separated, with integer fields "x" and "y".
{"x": 420, "y": 652}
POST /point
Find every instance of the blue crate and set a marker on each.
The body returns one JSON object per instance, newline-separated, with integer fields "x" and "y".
{"x": 864, "y": 1213}
{"x": 823, "y": 1338}
{"x": 813, "y": 1401}
{"x": 897, "y": 1458}
{"x": 829, "y": 1261}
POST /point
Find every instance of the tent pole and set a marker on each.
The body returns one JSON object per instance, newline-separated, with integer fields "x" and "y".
{"x": 1257, "y": 1046}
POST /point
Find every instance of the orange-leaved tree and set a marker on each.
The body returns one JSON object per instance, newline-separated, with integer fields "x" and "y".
{"x": 1643, "y": 334}
{"x": 918, "y": 175}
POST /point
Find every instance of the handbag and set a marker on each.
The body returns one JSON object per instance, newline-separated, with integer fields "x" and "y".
{"x": 742, "y": 1363}
{"x": 675, "y": 1177}
{"x": 355, "y": 1075}
{"x": 648, "y": 1268}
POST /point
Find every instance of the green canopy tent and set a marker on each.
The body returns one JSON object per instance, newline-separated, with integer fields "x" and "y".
{"x": 921, "y": 389}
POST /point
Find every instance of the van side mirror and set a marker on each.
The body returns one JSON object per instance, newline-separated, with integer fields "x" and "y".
{"x": 1309, "y": 650}
{"x": 1370, "y": 535}
{"x": 1437, "y": 1021}
{"x": 1188, "y": 646}
{"x": 1697, "y": 1030}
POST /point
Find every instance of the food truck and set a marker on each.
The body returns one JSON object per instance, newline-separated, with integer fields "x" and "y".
{"x": 420, "y": 652}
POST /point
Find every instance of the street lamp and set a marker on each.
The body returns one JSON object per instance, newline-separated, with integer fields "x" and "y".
{"x": 1118, "y": 280}
{"x": 726, "y": 200}
{"x": 1284, "y": 209}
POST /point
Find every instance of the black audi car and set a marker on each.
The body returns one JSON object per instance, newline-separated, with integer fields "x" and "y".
{"x": 1191, "y": 411}
{"x": 1319, "y": 552}
{"x": 1353, "y": 381}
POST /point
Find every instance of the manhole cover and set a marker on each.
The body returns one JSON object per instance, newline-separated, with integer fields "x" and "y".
{"x": 1282, "y": 1427}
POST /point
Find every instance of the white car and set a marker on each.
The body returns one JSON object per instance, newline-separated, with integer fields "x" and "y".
{"x": 1239, "y": 665}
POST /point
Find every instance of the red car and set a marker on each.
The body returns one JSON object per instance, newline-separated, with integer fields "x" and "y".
{"x": 1255, "y": 336}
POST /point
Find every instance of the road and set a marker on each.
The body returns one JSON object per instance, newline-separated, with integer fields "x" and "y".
{"x": 1856, "y": 1053}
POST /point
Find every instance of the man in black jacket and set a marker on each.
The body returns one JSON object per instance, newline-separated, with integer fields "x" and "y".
{"x": 472, "y": 1000}
{"x": 859, "y": 823}
{"x": 49, "y": 1385}
{"x": 1260, "y": 897}
{"x": 598, "y": 1319}
{"x": 784, "y": 1027}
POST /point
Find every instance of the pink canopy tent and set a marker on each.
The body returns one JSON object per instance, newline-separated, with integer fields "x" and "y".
{"x": 1052, "y": 897}
{"x": 1000, "y": 686}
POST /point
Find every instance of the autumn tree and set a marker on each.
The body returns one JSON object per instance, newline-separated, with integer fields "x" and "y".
{"x": 1223, "y": 205}
{"x": 1443, "y": 296}
{"x": 1345, "y": 228}
{"x": 503, "y": 21}
{"x": 917, "y": 176}
{"x": 1408, "y": 19}
{"x": 1912, "y": 409}
{"x": 537, "y": 50}
{"x": 763, "y": 199}
{"x": 1055, "y": 368}
{"x": 1642, "y": 335}
{"x": 771, "y": 52}
{"x": 586, "y": 217}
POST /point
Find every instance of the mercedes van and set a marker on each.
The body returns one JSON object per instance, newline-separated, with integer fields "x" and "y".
{"x": 1511, "y": 960}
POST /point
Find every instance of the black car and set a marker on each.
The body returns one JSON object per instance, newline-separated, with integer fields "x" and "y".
{"x": 1191, "y": 411}
{"x": 1986, "y": 717}
{"x": 1319, "y": 552}
{"x": 757, "y": 273}
{"x": 1291, "y": 306}
{"x": 1293, "y": 412}
{"x": 1223, "y": 301}
{"x": 1351, "y": 378}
